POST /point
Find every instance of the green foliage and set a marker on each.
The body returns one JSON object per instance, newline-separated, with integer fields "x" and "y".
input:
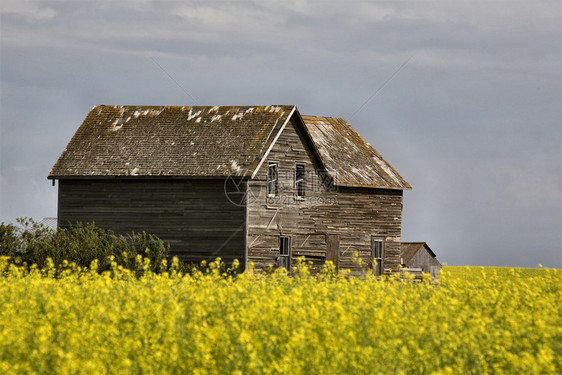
{"x": 30, "y": 243}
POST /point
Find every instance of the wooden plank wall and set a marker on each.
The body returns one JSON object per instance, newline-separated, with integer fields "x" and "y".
{"x": 355, "y": 214}
{"x": 426, "y": 262}
{"x": 194, "y": 216}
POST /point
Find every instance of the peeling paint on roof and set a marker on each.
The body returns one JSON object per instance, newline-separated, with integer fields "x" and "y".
{"x": 272, "y": 108}
{"x": 211, "y": 141}
{"x": 234, "y": 166}
{"x": 169, "y": 141}
{"x": 350, "y": 160}
{"x": 193, "y": 113}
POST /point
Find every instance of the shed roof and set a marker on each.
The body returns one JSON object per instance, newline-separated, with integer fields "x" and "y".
{"x": 409, "y": 249}
{"x": 184, "y": 141}
{"x": 353, "y": 161}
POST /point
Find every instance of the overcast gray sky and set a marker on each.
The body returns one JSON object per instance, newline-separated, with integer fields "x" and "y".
{"x": 463, "y": 98}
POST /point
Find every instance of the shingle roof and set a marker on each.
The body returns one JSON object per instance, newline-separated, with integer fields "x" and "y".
{"x": 170, "y": 141}
{"x": 176, "y": 141}
{"x": 409, "y": 249}
{"x": 353, "y": 161}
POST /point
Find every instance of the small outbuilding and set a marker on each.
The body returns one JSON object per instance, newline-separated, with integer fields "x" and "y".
{"x": 418, "y": 255}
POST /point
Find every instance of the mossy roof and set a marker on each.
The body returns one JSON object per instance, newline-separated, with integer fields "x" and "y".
{"x": 170, "y": 141}
{"x": 186, "y": 141}
{"x": 351, "y": 160}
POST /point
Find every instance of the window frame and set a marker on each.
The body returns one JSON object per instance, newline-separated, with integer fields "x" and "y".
{"x": 300, "y": 184}
{"x": 285, "y": 245}
{"x": 272, "y": 182}
{"x": 378, "y": 267}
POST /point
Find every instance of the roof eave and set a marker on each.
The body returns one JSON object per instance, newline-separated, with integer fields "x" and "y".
{"x": 142, "y": 177}
{"x": 408, "y": 187}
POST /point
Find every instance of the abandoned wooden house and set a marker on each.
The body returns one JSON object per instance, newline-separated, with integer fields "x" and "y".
{"x": 418, "y": 256}
{"x": 259, "y": 184}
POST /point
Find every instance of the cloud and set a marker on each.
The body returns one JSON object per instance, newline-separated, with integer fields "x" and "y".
{"x": 27, "y": 10}
{"x": 529, "y": 185}
{"x": 307, "y": 27}
{"x": 472, "y": 121}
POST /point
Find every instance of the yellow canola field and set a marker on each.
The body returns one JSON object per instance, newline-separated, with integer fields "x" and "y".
{"x": 207, "y": 323}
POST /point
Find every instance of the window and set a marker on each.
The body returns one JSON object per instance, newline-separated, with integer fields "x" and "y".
{"x": 378, "y": 251}
{"x": 328, "y": 180}
{"x": 299, "y": 180}
{"x": 273, "y": 178}
{"x": 285, "y": 252}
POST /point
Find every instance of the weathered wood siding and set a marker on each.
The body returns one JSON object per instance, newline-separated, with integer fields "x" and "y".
{"x": 426, "y": 262}
{"x": 194, "y": 216}
{"x": 354, "y": 215}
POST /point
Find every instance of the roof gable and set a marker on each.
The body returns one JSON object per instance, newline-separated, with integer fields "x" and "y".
{"x": 409, "y": 249}
{"x": 351, "y": 160}
{"x": 122, "y": 141}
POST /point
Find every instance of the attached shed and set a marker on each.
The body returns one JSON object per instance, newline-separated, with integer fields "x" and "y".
{"x": 259, "y": 184}
{"x": 418, "y": 255}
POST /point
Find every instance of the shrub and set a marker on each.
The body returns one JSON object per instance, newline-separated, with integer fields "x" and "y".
{"x": 31, "y": 243}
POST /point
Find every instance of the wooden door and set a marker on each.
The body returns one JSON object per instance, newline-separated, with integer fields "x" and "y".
{"x": 333, "y": 249}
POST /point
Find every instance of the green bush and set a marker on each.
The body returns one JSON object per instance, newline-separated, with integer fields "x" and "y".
{"x": 31, "y": 243}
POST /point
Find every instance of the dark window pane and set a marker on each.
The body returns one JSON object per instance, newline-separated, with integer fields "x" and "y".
{"x": 377, "y": 249}
{"x": 299, "y": 179}
{"x": 272, "y": 178}
{"x": 377, "y": 257}
{"x": 284, "y": 252}
{"x": 284, "y": 246}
